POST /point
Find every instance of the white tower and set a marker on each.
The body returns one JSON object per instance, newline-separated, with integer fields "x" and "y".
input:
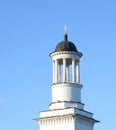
{"x": 66, "y": 112}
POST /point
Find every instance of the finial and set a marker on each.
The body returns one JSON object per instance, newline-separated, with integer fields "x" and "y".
{"x": 65, "y": 29}
{"x": 65, "y": 33}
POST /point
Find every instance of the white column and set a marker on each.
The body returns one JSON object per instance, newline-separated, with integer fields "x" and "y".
{"x": 53, "y": 72}
{"x": 67, "y": 73}
{"x": 73, "y": 71}
{"x": 56, "y": 71}
{"x": 64, "y": 70}
{"x": 77, "y": 72}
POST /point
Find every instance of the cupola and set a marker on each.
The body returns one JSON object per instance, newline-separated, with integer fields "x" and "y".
{"x": 66, "y": 85}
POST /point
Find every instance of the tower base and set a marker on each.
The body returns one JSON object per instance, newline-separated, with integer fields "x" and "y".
{"x": 66, "y": 119}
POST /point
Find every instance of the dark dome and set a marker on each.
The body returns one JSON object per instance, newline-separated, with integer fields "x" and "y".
{"x": 65, "y": 45}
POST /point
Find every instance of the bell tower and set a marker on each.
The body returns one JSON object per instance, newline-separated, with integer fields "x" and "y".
{"x": 66, "y": 88}
{"x": 66, "y": 111}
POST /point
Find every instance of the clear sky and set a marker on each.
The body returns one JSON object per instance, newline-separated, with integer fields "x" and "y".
{"x": 29, "y": 31}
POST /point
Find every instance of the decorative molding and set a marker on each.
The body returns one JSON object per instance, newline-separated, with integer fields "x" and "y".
{"x": 63, "y": 119}
{"x": 66, "y": 52}
{"x": 65, "y": 84}
{"x": 56, "y": 120}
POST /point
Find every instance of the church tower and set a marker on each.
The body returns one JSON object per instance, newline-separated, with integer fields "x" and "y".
{"x": 66, "y": 111}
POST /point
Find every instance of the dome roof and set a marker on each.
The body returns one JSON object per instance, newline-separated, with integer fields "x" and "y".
{"x": 65, "y": 45}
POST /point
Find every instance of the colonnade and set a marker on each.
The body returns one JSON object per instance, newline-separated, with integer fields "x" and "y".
{"x": 66, "y": 70}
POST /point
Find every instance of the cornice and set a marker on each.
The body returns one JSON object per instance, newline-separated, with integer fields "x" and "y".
{"x": 56, "y": 119}
{"x": 66, "y": 52}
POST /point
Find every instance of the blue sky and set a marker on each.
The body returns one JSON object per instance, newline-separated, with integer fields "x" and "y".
{"x": 29, "y": 31}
